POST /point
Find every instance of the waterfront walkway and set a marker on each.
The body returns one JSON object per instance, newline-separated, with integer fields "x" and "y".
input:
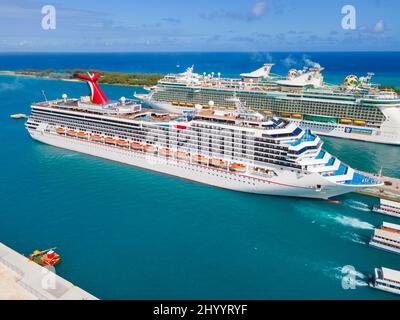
{"x": 22, "y": 279}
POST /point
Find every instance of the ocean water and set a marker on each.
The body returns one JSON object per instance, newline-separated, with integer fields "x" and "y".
{"x": 128, "y": 233}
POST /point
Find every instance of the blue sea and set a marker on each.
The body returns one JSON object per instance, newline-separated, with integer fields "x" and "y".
{"x": 128, "y": 233}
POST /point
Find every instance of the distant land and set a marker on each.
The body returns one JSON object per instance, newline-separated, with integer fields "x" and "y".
{"x": 108, "y": 77}
{"x": 112, "y": 77}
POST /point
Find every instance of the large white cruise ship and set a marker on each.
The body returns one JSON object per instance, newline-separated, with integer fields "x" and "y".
{"x": 234, "y": 149}
{"x": 357, "y": 109}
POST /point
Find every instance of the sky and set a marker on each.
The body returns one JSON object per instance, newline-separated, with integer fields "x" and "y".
{"x": 203, "y": 26}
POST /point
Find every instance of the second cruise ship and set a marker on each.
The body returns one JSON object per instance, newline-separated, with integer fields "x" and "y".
{"x": 237, "y": 149}
{"x": 357, "y": 109}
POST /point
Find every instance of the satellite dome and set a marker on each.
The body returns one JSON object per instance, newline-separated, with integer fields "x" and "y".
{"x": 122, "y": 99}
{"x": 211, "y": 103}
{"x": 64, "y": 96}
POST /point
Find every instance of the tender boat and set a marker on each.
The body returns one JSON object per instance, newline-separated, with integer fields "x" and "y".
{"x": 182, "y": 155}
{"x": 387, "y": 238}
{"x": 71, "y": 133}
{"x": 60, "y": 130}
{"x": 386, "y": 279}
{"x": 122, "y": 143}
{"x": 136, "y": 146}
{"x": 199, "y": 158}
{"x": 149, "y": 148}
{"x": 237, "y": 167}
{"x": 96, "y": 137}
{"x": 110, "y": 140}
{"x": 166, "y": 152}
{"x": 388, "y": 207}
{"x": 81, "y": 135}
{"x": 217, "y": 163}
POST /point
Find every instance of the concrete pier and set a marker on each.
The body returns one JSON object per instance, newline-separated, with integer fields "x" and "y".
{"x": 390, "y": 190}
{"x": 22, "y": 279}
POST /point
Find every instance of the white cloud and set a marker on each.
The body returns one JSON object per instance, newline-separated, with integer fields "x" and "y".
{"x": 258, "y": 8}
{"x": 379, "y": 27}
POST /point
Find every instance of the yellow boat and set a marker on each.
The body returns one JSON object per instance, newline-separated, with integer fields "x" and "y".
{"x": 297, "y": 115}
{"x": 285, "y": 114}
{"x": 345, "y": 121}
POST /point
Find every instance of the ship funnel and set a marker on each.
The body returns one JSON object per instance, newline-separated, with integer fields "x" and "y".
{"x": 98, "y": 96}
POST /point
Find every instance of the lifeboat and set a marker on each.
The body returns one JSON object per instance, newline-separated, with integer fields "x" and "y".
{"x": 96, "y": 137}
{"x": 182, "y": 155}
{"x": 199, "y": 158}
{"x": 217, "y": 163}
{"x": 360, "y": 122}
{"x": 136, "y": 146}
{"x": 237, "y": 167}
{"x": 182, "y": 103}
{"x": 345, "y": 121}
{"x": 71, "y": 133}
{"x": 110, "y": 140}
{"x": 149, "y": 148}
{"x": 46, "y": 257}
{"x": 285, "y": 114}
{"x": 189, "y": 104}
{"x": 166, "y": 152}
{"x": 122, "y": 143}
{"x": 81, "y": 135}
{"x": 60, "y": 130}
{"x": 175, "y": 103}
{"x": 297, "y": 116}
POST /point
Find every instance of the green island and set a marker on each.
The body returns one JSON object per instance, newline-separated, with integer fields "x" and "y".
{"x": 109, "y": 77}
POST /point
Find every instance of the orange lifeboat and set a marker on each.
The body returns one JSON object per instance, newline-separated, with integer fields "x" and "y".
{"x": 71, "y": 133}
{"x": 182, "y": 155}
{"x": 217, "y": 163}
{"x": 199, "y": 158}
{"x": 60, "y": 130}
{"x": 238, "y": 167}
{"x": 110, "y": 140}
{"x": 81, "y": 135}
{"x": 136, "y": 146}
{"x": 149, "y": 148}
{"x": 166, "y": 152}
{"x": 122, "y": 143}
{"x": 96, "y": 137}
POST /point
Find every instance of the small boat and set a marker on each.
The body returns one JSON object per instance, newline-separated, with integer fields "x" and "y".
{"x": 237, "y": 167}
{"x": 345, "y": 121}
{"x": 217, "y": 163}
{"x": 122, "y": 143}
{"x": 334, "y": 201}
{"x": 46, "y": 257}
{"x": 386, "y": 238}
{"x": 71, "y": 133}
{"x": 199, "y": 158}
{"x": 149, "y": 148}
{"x": 388, "y": 207}
{"x": 136, "y": 146}
{"x": 386, "y": 279}
{"x": 166, "y": 152}
{"x": 297, "y": 116}
{"x": 110, "y": 140}
{"x": 96, "y": 137}
{"x": 60, "y": 130}
{"x": 81, "y": 135}
{"x": 182, "y": 155}
{"x": 18, "y": 116}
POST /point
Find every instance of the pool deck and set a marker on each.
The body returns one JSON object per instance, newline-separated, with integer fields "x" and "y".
{"x": 390, "y": 190}
{"x": 22, "y": 279}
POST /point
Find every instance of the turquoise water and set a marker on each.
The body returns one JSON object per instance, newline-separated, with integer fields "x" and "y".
{"x": 125, "y": 232}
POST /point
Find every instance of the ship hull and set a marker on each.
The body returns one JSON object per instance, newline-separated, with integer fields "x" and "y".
{"x": 390, "y": 135}
{"x": 286, "y": 184}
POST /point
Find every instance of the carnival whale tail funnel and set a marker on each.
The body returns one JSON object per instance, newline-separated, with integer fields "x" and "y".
{"x": 98, "y": 96}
